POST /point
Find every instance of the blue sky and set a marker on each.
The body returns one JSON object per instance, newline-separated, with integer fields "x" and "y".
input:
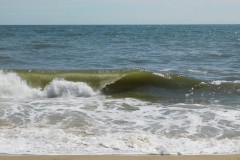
{"x": 119, "y": 11}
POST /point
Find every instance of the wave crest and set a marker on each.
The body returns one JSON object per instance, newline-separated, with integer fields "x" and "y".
{"x": 145, "y": 79}
{"x": 135, "y": 83}
{"x": 63, "y": 88}
{"x": 12, "y": 86}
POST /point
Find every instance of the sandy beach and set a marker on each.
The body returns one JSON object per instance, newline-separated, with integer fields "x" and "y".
{"x": 119, "y": 157}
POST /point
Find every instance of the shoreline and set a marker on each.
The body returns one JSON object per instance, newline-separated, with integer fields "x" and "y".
{"x": 120, "y": 157}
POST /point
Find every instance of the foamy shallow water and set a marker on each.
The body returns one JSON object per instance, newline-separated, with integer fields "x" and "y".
{"x": 101, "y": 125}
{"x": 52, "y": 141}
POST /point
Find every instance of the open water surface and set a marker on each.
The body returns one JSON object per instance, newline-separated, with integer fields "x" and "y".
{"x": 150, "y": 89}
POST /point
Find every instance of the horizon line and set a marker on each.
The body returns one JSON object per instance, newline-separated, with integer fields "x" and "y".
{"x": 172, "y": 24}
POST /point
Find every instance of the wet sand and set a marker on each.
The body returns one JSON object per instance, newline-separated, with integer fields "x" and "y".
{"x": 120, "y": 157}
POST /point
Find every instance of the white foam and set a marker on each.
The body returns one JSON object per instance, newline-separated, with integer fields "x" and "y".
{"x": 12, "y": 86}
{"x": 45, "y": 141}
{"x": 219, "y": 82}
{"x": 63, "y": 88}
{"x": 100, "y": 125}
{"x": 198, "y": 71}
{"x": 162, "y": 75}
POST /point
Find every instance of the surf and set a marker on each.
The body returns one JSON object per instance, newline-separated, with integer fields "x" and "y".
{"x": 12, "y": 86}
{"x": 135, "y": 83}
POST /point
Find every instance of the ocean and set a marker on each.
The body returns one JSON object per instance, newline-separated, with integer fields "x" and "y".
{"x": 120, "y": 89}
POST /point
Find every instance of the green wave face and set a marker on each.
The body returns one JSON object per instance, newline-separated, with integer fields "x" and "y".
{"x": 143, "y": 79}
{"x": 96, "y": 79}
{"x": 110, "y": 81}
{"x": 151, "y": 86}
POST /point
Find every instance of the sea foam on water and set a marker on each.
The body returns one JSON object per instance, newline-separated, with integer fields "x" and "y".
{"x": 63, "y": 88}
{"x": 12, "y": 86}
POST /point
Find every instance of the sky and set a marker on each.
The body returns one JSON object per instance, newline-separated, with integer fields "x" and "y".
{"x": 84, "y": 12}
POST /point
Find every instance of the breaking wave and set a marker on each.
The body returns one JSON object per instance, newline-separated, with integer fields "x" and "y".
{"x": 136, "y": 83}
{"x": 12, "y": 86}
